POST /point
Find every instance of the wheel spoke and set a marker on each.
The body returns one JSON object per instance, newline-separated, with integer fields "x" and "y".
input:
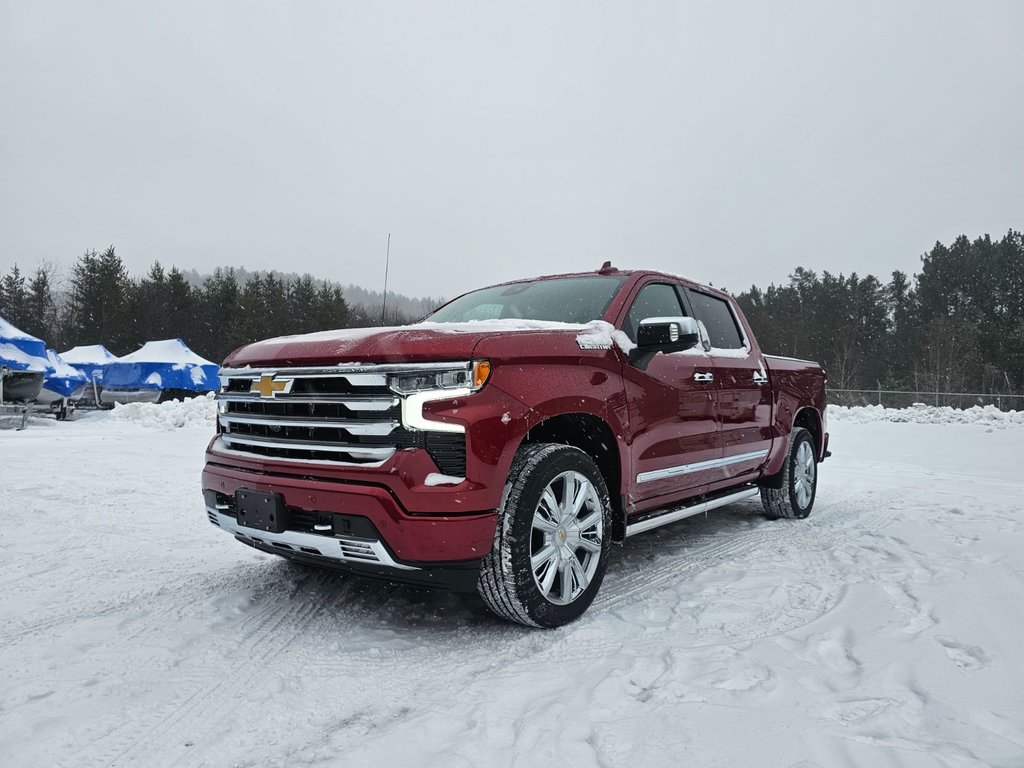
{"x": 542, "y": 523}
{"x": 590, "y": 545}
{"x": 590, "y": 521}
{"x": 547, "y": 580}
{"x": 579, "y": 575}
{"x": 570, "y": 485}
{"x": 547, "y": 499}
{"x": 566, "y": 570}
{"x": 541, "y": 557}
{"x": 582, "y": 492}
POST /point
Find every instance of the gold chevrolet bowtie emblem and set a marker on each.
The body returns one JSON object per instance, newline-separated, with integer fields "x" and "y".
{"x": 268, "y": 386}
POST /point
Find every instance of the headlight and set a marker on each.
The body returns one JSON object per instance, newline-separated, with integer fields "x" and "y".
{"x": 472, "y": 377}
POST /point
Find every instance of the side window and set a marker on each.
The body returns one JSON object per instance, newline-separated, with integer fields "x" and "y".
{"x": 717, "y": 317}
{"x": 654, "y": 300}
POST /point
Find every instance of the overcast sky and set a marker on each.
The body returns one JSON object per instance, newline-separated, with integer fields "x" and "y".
{"x": 729, "y": 142}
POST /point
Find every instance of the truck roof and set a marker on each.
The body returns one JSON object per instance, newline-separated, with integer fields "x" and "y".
{"x": 612, "y": 271}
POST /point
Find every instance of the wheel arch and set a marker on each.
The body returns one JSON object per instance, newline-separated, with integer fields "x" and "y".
{"x": 593, "y": 435}
{"x": 809, "y": 418}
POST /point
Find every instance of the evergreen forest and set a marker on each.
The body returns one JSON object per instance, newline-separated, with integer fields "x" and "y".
{"x": 957, "y": 325}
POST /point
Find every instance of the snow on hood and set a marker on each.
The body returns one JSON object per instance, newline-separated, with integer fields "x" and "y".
{"x": 474, "y": 327}
{"x": 171, "y": 351}
{"x": 19, "y": 360}
{"x": 427, "y": 341}
{"x": 95, "y": 354}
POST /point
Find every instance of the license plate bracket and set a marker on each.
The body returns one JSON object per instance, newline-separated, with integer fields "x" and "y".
{"x": 262, "y": 511}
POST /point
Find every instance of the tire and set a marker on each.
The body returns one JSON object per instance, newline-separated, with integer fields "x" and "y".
{"x": 795, "y": 499}
{"x": 535, "y": 526}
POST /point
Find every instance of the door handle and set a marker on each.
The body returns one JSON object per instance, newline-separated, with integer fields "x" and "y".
{"x": 703, "y": 377}
{"x": 760, "y": 378}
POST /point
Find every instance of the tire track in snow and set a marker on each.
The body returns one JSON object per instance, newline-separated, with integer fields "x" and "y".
{"x": 807, "y": 541}
{"x": 255, "y": 650}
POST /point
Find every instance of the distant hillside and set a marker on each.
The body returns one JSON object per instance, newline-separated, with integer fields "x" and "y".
{"x": 355, "y": 295}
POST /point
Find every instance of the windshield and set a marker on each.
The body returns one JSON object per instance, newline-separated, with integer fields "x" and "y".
{"x": 562, "y": 299}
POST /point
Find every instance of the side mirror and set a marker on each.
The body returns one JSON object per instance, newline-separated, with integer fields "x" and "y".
{"x": 663, "y": 334}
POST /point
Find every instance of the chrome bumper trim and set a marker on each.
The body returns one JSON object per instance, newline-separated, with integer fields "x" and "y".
{"x": 345, "y": 549}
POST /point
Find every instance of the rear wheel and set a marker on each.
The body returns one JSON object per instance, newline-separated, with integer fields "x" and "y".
{"x": 795, "y": 498}
{"x": 551, "y": 545}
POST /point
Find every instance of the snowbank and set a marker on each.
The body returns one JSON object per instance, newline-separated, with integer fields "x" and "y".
{"x": 174, "y": 414}
{"x": 919, "y": 413}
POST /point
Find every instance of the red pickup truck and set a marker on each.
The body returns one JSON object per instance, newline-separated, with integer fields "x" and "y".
{"x": 503, "y": 444}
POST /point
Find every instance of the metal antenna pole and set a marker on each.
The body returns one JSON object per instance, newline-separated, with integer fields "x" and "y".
{"x": 387, "y": 262}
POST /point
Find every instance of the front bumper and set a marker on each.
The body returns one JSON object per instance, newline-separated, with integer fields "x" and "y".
{"x": 360, "y": 555}
{"x": 415, "y": 539}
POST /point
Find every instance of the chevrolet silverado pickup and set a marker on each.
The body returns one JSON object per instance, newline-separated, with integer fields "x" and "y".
{"x": 503, "y": 444}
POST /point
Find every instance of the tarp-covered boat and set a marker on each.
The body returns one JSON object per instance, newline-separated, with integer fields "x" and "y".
{"x": 23, "y": 360}
{"x": 160, "y": 370}
{"x": 61, "y": 384}
{"x": 91, "y": 360}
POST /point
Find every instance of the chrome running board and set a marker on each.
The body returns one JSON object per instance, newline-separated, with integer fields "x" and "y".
{"x": 683, "y": 512}
{"x": 345, "y": 549}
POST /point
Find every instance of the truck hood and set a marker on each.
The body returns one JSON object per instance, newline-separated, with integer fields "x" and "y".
{"x": 422, "y": 342}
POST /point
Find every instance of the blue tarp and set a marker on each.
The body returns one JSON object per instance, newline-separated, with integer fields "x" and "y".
{"x": 21, "y": 352}
{"x": 91, "y": 361}
{"x": 61, "y": 378}
{"x": 160, "y": 365}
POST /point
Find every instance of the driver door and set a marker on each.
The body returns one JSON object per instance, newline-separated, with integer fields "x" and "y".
{"x": 672, "y": 409}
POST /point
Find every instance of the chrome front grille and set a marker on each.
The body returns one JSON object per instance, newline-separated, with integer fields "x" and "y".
{"x": 341, "y": 415}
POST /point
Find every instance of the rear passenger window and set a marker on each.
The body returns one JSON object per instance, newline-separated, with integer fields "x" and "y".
{"x": 654, "y": 300}
{"x": 717, "y": 317}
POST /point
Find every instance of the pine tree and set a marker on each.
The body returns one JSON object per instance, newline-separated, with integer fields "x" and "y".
{"x": 98, "y": 307}
{"x": 13, "y": 298}
{"x": 41, "y": 309}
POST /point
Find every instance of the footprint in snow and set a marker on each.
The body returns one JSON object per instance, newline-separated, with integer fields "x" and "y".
{"x": 966, "y": 656}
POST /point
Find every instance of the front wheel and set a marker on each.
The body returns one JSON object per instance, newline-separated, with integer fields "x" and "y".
{"x": 795, "y": 498}
{"x": 551, "y": 544}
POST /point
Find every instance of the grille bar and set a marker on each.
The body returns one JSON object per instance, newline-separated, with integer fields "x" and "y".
{"x": 353, "y": 403}
{"x": 378, "y": 428}
{"x": 356, "y": 451}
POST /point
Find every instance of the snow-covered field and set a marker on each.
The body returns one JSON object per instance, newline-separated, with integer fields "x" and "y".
{"x": 886, "y": 630}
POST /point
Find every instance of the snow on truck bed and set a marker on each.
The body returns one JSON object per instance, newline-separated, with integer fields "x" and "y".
{"x": 884, "y": 630}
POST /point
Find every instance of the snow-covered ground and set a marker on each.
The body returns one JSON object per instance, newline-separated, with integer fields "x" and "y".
{"x": 880, "y": 632}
